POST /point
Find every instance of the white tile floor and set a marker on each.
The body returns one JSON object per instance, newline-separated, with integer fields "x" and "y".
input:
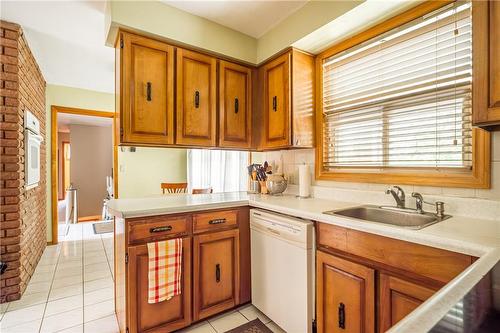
{"x": 72, "y": 291}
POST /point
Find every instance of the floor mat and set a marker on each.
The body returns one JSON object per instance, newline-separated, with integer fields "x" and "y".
{"x": 255, "y": 326}
{"x": 103, "y": 227}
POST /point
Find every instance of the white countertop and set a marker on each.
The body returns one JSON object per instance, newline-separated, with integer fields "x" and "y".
{"x": 480, "y": 238}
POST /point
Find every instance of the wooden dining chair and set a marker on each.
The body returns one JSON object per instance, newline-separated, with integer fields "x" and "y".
{"x": 202, "y": 190}
{"x": 174, "y": 187}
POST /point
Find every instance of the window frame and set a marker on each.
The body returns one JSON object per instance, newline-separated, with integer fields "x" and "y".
{"x": 477, "y": 177}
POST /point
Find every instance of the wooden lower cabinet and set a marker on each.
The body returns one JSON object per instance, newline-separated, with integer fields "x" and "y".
{"x": 216, "y": 271}
{"x": 166, "y": 316}
{"x": 351, "y": 265}
{"x": 215, "y": 268}
{"x": 345, "y": 296}
{"x": 398, "y": 298}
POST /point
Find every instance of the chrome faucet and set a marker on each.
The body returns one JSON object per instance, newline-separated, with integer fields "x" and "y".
{"x": 420, "y": 205}
{"x": 420, "y": 202}
{"x": 398, "y": 194}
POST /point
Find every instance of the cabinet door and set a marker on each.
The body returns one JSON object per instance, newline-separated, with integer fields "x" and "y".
{"x": 168, "y": 315}
{"x": 196, "y": 99}
{"x": 216, "y": 276}
{"x": 398, "y": 298}
{"x": 277, "y": 103}
{"x": 345, "y": 296}
{"x": 147, "y": 85}
{"x": 486, "y": 62}
{"x": 235, "y": 96}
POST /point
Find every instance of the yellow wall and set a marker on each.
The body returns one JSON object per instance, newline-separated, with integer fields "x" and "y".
{"x": 310, "y": 17}
{"x": 160, "y": 19}
{"x": 141, "y": 172}
{"x": 157, "y": 18}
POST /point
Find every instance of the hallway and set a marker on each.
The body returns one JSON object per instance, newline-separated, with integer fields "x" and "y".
{"x": 71, "y": 289}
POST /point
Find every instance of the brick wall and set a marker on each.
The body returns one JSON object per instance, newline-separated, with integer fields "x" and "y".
{"x": 22, "y": 213}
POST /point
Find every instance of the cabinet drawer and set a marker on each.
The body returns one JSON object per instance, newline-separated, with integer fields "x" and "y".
{"x": 332, "y": 236}
{"x": 155, "y": 228}
{"x": 215, "y": 220}
{"x": 437, "y": 264}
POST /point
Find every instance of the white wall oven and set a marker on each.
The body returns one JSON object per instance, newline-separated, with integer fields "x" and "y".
{"x": 33, "y": 140}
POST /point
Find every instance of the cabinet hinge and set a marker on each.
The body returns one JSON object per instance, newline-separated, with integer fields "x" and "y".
{"x": 121, "y": 43}
{"x": 121, "y": 131}
{"x": 314, "y": 326}
{"x": 126, "y": 258}
{"x": 126, "y": 330}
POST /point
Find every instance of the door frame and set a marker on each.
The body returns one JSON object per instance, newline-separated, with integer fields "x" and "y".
{"x": 55, "y": 109}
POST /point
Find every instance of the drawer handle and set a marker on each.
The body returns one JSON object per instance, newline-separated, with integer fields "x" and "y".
{"x": 342, "y": 316}
{"x": 217, "y": 273}
{"x": 197, "y": 99}
{"x": 160, "y": 229}
{"x": 275, "y": 103}
{"x": 148, "y": 91}
{"x": 217, "y": 221}
{"x": 236, "y": 105}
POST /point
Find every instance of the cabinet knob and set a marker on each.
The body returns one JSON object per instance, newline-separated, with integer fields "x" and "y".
{"x": 217, "y": 221}
{"x": 236, "y": 105}
{"x": 342, "y": 316}
{"x": 217, "y": 273}
{"x": 149, "y": 91}
{"x": 275, "y": 103}
{"x": 197, "y": 99}
{"x": 160, "y": 229}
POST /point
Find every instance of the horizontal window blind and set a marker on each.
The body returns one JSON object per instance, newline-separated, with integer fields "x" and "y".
{"x": 403, "y": 99}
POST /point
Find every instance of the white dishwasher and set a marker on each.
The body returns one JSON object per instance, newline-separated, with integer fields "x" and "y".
{"x": 283, "y": 266}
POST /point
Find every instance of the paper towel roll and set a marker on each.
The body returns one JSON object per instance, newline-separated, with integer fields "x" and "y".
{"x": 304, "y": 181}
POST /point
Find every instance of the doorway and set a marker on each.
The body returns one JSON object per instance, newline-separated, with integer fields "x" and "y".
{"x": 89, "y": 164}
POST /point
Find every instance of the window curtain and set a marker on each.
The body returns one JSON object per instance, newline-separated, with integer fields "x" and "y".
{"x": 224, "y": 171}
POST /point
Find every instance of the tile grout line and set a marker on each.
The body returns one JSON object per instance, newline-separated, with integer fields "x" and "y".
{"x": 50, "y": 289}
{"x": 107, "y": 258}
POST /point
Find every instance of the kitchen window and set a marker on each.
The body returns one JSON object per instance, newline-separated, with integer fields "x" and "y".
{"x": 398, "y": 105}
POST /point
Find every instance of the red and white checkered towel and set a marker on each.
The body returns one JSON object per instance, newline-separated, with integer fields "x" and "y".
{"x": 165, "y": 269}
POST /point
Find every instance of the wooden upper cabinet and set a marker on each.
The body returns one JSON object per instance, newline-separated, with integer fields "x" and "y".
{"x": 196, "y": 99}
{"x": 166, "y": 316}
{"x": 288, "y": 101}
{"x": 486, "y": 62}
{"x": 216, "y": 273}
{"x": 277, "y": 133}
{"x": 345, "y": 296}
{"x": 147, "y": 91}
{"x": 235, "y": 105}
{"x": 398, "y": 298}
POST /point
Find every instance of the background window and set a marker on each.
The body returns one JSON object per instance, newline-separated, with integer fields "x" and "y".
{"x": 222, "y": 170}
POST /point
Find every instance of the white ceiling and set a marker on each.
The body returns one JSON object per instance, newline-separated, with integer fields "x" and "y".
{"x": 64, "y": 120}
{"x": 67, "y": 40}
{"x": 253, "y": 18}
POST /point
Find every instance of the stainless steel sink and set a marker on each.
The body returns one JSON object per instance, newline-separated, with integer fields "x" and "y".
{"x": 405, "y": 218}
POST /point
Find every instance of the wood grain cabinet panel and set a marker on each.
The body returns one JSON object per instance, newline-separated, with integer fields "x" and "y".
{"x": 166, "y": 316}
{"x": 147, "y": 107}
{"x": 486, "y": 62}
{"x": 196, "y": 99}
{"x": 277, "y": 102}
{"x": 345, "y": 295}
{"x": 288, "y": 101}
{"x": 398, "y": 298}
{"x": 216, "y": 273}
{"x": 235, "y": 105}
